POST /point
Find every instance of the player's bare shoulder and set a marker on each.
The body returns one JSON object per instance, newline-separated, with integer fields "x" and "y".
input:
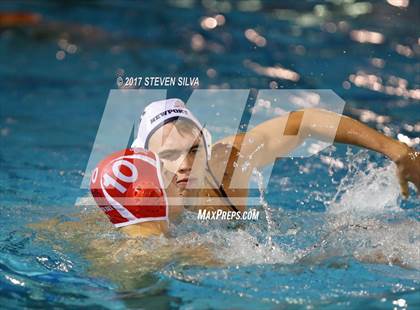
{"x": 225, "y": 161}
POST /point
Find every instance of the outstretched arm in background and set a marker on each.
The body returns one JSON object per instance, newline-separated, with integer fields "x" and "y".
{"x": 279, "y": 136}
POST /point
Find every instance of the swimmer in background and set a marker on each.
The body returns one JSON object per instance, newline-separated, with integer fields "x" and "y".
{"x": 195, "y": 170}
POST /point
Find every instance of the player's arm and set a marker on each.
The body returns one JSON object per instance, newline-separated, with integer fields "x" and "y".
{"x": 279, "y": 136}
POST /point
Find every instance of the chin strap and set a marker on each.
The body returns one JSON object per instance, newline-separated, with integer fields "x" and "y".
{"x": 221, "y": 190}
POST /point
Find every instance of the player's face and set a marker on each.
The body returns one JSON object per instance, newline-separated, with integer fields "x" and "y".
{"x": 183, "y": 155}
{"x": 175, "y": 206}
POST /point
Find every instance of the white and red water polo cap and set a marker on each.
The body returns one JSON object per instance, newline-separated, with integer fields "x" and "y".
{"x": 127, "y": 185}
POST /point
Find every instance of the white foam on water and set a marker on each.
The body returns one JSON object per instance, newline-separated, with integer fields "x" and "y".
{"x": 364, "y": 218}
{"x": 354, "y": 224}
{"x": 372, "y": 240}
{"x": 373, "y": 191}
{"x": 238, "y": 247}
{"x": 242, "y": 248}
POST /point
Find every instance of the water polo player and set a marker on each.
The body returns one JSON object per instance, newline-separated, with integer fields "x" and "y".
{"x": 206, "y": 176}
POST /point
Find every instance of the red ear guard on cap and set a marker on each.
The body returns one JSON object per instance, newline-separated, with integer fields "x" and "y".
{"x": 127, "y": 185}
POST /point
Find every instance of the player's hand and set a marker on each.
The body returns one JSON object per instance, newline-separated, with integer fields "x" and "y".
{"x": 408, "y": 169}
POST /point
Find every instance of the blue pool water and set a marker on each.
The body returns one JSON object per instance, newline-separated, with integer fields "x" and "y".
{"x": 341, "y": 237}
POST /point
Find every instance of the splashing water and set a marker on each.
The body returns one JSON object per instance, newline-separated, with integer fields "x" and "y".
{"x": 220, "y": 256}
{"x": 366, "y": 189}
{"x": 364, "y": 218}
{"x": 353, "y": 225}
{"x": 266, "y": 208}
